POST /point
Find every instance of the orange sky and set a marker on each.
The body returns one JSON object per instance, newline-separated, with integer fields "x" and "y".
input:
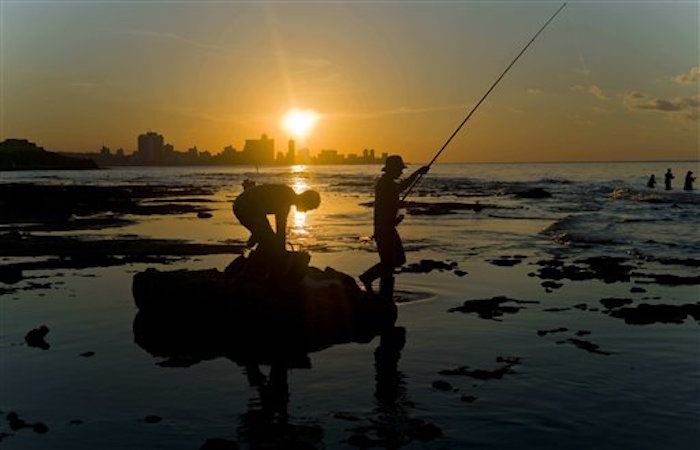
{"x": 604, "y": 82}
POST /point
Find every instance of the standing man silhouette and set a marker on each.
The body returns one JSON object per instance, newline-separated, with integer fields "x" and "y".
{"x": 689, "y": 178}
{"x": 386, "y": 207}
{"x": 667, "y": 179}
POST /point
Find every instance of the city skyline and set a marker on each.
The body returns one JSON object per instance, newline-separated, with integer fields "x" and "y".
{"x": 605, "y": 81}
{"x": 153, "y": 149}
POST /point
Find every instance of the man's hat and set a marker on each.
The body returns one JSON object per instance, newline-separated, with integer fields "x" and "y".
{"x": 393, "y": 161}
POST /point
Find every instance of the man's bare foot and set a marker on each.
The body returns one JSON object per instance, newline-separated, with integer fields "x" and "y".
{"x": 367, "y": 284}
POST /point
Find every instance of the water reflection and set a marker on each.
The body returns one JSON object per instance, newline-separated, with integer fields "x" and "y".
{"x": 189, "y": 316}
{"x": 299, "y": 227}
{"x": 392, "y": 424}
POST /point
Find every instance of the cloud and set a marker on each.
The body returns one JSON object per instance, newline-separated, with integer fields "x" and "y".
{"x": 583, "y": 70}
{"x": 597, "y": 92}
{"x": 686, "y": 107}
{"x": 400, "y": 110}
{"x": 170, "y": 37}
{"x": 688, "y": 78}
{"x": 592, "y": 89}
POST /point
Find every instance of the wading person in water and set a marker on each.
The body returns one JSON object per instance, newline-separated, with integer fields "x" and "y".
{"x": 652, "y": 182}
{"x": 689, "y": 178}
{"x": 253, "y": 205}
{"x": 386, "y": 206}
{"x": 667, "y": 179}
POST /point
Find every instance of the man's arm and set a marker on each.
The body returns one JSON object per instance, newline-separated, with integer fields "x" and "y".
{"x": 403, "y": 185}
{"x": 281, "y": 227}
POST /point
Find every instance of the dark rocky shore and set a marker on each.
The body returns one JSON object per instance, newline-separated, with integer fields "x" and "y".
{"x": 20, "y": 154}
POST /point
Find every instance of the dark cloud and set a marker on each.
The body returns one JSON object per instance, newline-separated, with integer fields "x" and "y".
{"x": 687, "y": 107}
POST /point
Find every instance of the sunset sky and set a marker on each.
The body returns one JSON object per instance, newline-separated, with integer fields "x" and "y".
{"x": 605, "y": 81}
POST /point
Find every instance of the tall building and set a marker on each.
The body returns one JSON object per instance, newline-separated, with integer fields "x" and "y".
{"x": 291, "y": 152}
{"x": 151, "y": 146}
{"x": 259, "y": 151}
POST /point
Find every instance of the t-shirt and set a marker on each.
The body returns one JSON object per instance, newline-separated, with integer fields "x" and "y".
{"x": 386, "y": 202}
{"x": 266, "y": 199}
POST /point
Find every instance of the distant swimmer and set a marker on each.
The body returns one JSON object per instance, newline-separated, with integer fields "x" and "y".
{"x": 253, "y": 205}
{"x": 386, "y": 207}
{"x": 652, "y": 181}
{"x": 689, "y": 178}
{"x": 667, "y": 179}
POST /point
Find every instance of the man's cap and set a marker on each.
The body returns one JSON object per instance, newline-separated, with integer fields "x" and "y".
{"x": 393, "y": 161}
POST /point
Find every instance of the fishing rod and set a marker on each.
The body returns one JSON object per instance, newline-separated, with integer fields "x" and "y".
{"x": 417, "y": 179}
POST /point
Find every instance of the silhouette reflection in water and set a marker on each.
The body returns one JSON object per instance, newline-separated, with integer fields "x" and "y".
{"x": 392, "y": 424}
{"x": 190, "y": 316}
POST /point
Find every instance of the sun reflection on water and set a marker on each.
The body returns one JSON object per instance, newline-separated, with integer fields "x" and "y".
{"x": 299, "y": 185}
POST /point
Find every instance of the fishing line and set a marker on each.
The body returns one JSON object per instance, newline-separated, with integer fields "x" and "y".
{"x": 418, "y": 178}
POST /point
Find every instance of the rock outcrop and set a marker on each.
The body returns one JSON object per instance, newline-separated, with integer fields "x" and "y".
{"x": 252, "y": 314}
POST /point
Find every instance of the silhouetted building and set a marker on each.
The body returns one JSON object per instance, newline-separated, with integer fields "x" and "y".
{"x": 328, "y": 156}
{"x": 151, "y": 147}
{"x": 259, "y": 151}
{"x": 291, "y": 152}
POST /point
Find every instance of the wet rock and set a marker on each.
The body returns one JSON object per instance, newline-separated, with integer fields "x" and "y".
{"x": 587, "y": 346}
{"x": 345, "y": 416}
{"x": 668, "y": 279}
{"x": 423, "y": 431}
{"x": 511, "y": 360}
{"x": 583, "y": 333}
{"x": 606, "y": 268}
{"x": 40, "y": 428}
{"x": 15, "y": 423}
{"x": 362, "y": 441}
{"x": 427, "y": 266}
{"x": 178, "y": 361}
{"x": 253, "y": 314}
{"x": 612, "y": 302}
{"x": 556, "y": 309}
{"x": 87, "y": 354}
{"x": 204, "y": 215}
{"x": 468, "y": 398}
{"x": 60, "y": 204}
{"x": 97, "y": 252}
{"x": 219, "y": 444}
{"x": 551, "y": 284}
{"x": 637, "y": 290}
{"x": 481, "y": 374}
{"x": 555, "y": 330}
{"x": 690, "y": 262}
{"x": 645, "y": 314}
{"x": 581, "y": 306}
{"x": 441, "y": 385}
{"x": 35, "y": 337}
{"x": 444, "y": 208}
{"x": 505, "y": 261}
{"x": 492, "y": 308}
{"x": 10, "y": 274}
{"x": 152, "y": 419}
{"x": 460, "y": 273}
{"x": 532, "y": 193}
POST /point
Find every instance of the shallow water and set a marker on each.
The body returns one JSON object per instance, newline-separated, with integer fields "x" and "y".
{"x": 644, "y": 395}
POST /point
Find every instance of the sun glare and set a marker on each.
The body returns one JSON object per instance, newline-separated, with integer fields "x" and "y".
{"x": 299, "y": 122}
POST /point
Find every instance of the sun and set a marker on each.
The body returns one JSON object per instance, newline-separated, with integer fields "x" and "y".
{"x": 299, "y": 122}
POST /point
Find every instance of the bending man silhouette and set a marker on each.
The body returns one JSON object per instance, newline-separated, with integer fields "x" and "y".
{"x": 253, "y": 205}
{"x": 386, "y": 206}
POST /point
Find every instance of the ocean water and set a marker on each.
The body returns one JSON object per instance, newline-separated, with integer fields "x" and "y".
{"x": 640, "y": 392}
